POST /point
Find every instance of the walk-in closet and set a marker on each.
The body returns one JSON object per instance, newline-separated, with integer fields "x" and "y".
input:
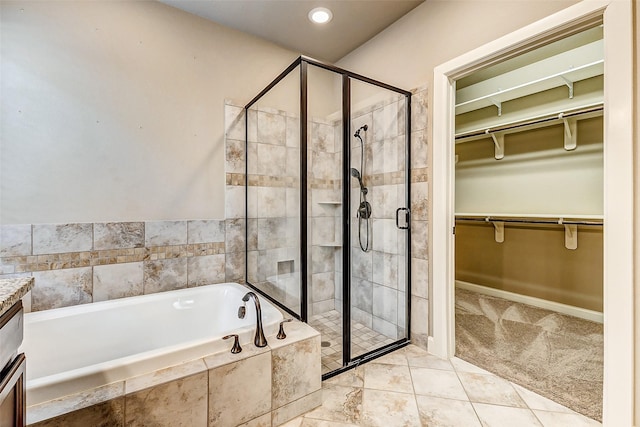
{"x": 529, "y": 219}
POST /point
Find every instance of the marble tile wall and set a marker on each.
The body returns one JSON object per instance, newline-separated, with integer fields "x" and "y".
{"x": 257, "y": 387}
{"x": 89, "y": 262}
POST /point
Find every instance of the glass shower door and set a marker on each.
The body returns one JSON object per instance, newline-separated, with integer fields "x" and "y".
{"x": 378, "y": 218}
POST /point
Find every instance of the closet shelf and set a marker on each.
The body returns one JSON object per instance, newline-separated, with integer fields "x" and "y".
{"x": 533, "y": 218}
{"x": 564, "y": 78}
{"x": 569, "y": 222}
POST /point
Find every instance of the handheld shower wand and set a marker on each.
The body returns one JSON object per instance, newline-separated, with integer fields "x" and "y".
{"x": 364, "y": 209}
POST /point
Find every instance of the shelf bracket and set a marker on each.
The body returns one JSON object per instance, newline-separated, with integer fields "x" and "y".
{"x": 498, "y": 141}
{"x": 569, "y": 84}
{"x": 570, "y": 133}
{"x": 497, "y": 104}
{"x": 499, "y": 231}
{"x": 570, "y": 236}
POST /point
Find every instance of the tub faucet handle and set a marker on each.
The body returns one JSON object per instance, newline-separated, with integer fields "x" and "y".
{"x": 242, "y": 311}
{"x": 236, "y": 343}
{"x": 281, "y": 335}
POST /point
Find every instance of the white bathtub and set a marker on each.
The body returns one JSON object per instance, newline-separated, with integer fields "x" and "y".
{"x": 83, "y": 347}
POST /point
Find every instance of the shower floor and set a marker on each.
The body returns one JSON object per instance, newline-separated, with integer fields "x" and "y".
{"x": 329, "y": 325}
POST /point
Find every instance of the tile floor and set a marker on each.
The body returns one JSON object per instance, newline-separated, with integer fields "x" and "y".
{"x": 410, "y": 387}
{"x": 363, "y": 339}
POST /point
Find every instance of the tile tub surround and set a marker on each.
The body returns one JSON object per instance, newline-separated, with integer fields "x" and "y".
{"x": 259, "y": 386}
{"x": 12, "y": 290}
{"x": 82, "y": 263}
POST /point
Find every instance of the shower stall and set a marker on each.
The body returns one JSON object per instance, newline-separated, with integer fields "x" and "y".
{"x": 327, "y": 197}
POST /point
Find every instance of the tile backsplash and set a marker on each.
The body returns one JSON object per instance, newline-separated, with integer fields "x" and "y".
{"x": 88, "y": 262}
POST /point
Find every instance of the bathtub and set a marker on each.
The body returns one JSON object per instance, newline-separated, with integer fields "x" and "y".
{"x": 84, "y": 347}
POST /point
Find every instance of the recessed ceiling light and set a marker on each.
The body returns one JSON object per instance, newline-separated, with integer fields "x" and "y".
{"x": 320, "y": 15}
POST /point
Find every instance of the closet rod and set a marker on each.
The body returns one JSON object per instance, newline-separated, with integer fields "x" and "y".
{"x": 530, "y": 122}
{"x": 559, "y": 221}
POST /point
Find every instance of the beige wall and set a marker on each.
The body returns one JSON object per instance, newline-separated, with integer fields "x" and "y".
{"x": 113, "y": 111}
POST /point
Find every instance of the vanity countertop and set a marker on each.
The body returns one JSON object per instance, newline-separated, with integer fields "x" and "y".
{"x": 11, "y": 290}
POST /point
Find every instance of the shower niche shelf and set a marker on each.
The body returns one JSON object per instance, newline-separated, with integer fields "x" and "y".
{"x": 331, "y": 245}
{"x": 329, "y": 202}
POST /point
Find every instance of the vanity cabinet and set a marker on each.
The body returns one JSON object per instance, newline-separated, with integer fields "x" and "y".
{"x": 12, "y": 374}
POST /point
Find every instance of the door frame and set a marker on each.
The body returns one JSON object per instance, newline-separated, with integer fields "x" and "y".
{"x": 619, "y": 232}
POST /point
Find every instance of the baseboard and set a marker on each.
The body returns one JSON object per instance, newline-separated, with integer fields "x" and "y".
{"x": 583, "y": 313}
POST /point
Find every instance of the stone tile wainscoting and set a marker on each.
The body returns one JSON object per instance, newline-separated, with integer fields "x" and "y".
{"x": 259, "y": 387}
{"x": 89, "y": 262}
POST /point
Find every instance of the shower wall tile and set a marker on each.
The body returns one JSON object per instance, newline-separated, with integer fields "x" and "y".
{"x": 252, "y": 201}
{"x": 60, "y": 238}
{"x": 385, "y": 303}
{"x": 326, "y": 166}
{"x": 388, "y": 329}
{"x": 419, "y": 239}
{"x": 272, "y": 202}
{"x": 234, "y": 122}
{"x": 117, "y": 281}
{"x": 206, "y": 270}
{"x": 385, "y": 235}
{"x": 385, "y": 269}
{"x": 419, "y": 150}
{"x": 293, "y": 132}
{"x": 420, "y": 277}
{"x": 271, "y": 128}
{"x": 272, "y": 233}
{"x": 385, "y": 200}
{"x": 322, "y": 286}
{"x": 252, "y": 234}
{"x": 252, "y": 158}
{"x": 361, "y": 316}
{"x": 322, "y": 230}
{"x": 235, "y": 156}
{"x": 362, "y": 294}
{"x": 318, "y": 195}
{"x": 419, "y": 110}
{"x": 419, "y": 201}
{"x": 391, "y": 124}
{"x": 177, "y": 403}
{"x": 293, "y": 162}
{"x": 322, "y": 306}
{"x": 234, "y": 267}
{"x": 240, "y": 391}
{"x": 378, "y": 124}
{"x": 252, "y": 126}
{"x": 271, "y": 160}
{"x": 165, "y": 275}
{"x": 15, "y": 240}
{"x": 292, "y": 202}
{"x": 204, "y": 231}
{"x": 322, "y": 259}
{"x": 235, "y": 235}
{"x": 164, "y": 233}
{"x": 361, "y": 263}
{"x": 235, "y": 201}
{"x": 61, "y": 288}
{"x": 118, "y": 235}
{"x": 337, "y": 285}
{"x": 419, "y": 321}
{"x": 322, "y": 137}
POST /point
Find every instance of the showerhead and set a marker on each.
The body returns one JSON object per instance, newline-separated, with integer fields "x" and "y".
{"x": 364, "y": 128}
{"x": 356, "y": 174}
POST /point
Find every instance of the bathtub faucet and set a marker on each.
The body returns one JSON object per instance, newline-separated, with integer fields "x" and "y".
{"x": 260, "y": 340}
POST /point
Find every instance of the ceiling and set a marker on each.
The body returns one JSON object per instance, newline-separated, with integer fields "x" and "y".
{"x": 285, "y": 22}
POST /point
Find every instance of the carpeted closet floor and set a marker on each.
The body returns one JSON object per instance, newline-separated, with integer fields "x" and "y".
{"x": 557, "y": 356}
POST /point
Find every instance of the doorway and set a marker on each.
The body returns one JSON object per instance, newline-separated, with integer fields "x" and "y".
{"x": 618, "y": 186}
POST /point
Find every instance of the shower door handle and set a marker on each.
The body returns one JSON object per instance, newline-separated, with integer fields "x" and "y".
{"x": 407, "y": 218}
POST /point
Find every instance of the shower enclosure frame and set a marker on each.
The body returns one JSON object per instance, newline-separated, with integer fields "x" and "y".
{"x": 303, "y": 62}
